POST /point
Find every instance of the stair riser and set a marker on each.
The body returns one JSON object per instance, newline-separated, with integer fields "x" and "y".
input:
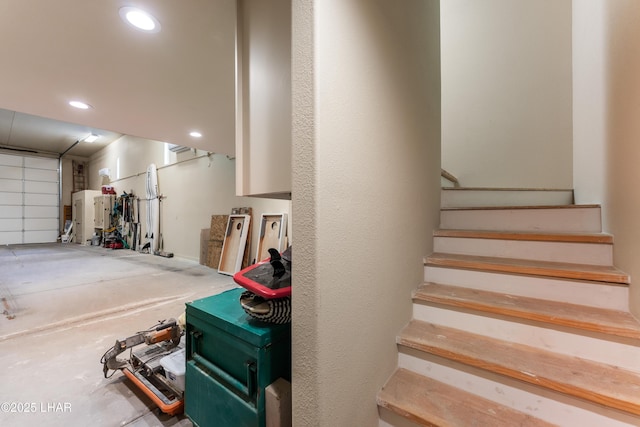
{"x": 391, "y": 419}
{"x": 577, "y": 253}
{"x": 592, "y": 294}
{"x": 559, "y": 340}
{"x": 563, "y": 220}
{"x": 472, "y": 198}
{"x": 446, "y": 183}
{"x": 550, "y": 406}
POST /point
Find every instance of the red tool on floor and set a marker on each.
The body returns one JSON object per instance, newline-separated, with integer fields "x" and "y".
{"x": 148, "y": 367}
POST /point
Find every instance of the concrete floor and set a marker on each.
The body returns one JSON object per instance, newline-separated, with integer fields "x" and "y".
{"x": 71, "y": 303}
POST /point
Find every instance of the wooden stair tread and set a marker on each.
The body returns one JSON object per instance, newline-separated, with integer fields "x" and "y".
{"x": 592, "y": 381}
{"x": 589, "y": 272}
{"x": 432, "y": 403}
{"x": 476, "y": 208}
{"x": 606, "y": 321}
{"x": 528, "y": 236}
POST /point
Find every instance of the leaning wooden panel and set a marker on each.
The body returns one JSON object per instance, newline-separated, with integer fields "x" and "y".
{"x": 273, "y": 232}
{"x": 245, "y": 211}
{"x": 204, "y": 245}
{"x": 234, "y": 244}
{"x": 216, "y": 239}
{"x": 218, "y": 226}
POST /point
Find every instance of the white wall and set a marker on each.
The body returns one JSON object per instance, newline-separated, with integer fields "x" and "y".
{"x": 607, "y": 159}
{"x": 366, "y": 194}
{"x": 589, "y": 101}
{"x": 196, "y": 186}
{"x": 506, "y": 92}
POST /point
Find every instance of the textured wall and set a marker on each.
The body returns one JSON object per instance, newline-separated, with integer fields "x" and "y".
{"x": 366, "y": 197}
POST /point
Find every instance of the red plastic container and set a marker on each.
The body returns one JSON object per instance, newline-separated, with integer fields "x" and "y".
{"x": 258, "y": 278}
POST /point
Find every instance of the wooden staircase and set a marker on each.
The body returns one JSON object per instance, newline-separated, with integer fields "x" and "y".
{"x": 522, "y": 321}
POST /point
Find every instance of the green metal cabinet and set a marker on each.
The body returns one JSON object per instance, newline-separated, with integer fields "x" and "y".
{"x": 231, "y": 359}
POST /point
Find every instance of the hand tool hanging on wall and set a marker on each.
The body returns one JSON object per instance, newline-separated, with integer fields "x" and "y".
{"x": 139, "y": 237}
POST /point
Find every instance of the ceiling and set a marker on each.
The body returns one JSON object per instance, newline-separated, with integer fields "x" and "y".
{"x": 158, "y": 86}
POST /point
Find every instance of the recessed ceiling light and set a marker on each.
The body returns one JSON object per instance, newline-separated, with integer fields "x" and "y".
{"x": 79, "y": 104}
{"x": 140, "y": 19}
{"x": 91, "y": 138}
{"x": 195, "y": 134}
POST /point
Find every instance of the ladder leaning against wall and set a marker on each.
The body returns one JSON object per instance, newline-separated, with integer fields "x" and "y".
{"x": 79, "y": 179}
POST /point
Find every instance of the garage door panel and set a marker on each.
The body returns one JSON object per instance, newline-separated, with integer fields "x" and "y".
{"x": 40, "y": 187}
{"x": 8, "y": 160}
{"x": 10, "y": 199}
{"x": 29, "y": 200}
{"x": 11, "y": 172}
{"x": 41, "y": 199}
{"x": 10, "y": 224}
{"x": 41, "y": 175}
{"x": 10, "y": 185}
{"x": 41, "y": 163}
{"x": 41, "y": 212}
{"x": 10, "y": 211}
{"x": 10, "y": 237}
{"x": 32, "y": 224}
{"x": 45, "y": 236}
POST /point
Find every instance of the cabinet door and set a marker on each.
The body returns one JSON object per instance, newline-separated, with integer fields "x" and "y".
{"x": 78, "y": 220}
{"x": 224, "y": 368}
{"x": 221, "y": 404}
{"x": 263, "y": 93}
{"x": 98, "y": 209}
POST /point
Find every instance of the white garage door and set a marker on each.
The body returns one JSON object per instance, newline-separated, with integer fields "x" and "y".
{"x": 29, "y": 202}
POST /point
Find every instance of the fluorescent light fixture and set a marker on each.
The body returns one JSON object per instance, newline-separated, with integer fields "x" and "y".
{"x": 91, "y": 138}
{"x": 79, "y": 104}
{"x": 195, "y": 134}
{"x": 139, "y": 19}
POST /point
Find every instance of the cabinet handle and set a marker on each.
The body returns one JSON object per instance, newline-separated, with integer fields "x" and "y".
{"x": 247, "y": 391}
{"x": 251, "y": 377}
{"x": 244, "y": 390}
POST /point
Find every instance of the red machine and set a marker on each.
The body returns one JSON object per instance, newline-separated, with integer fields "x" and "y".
{"x": 144, "y": 366}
